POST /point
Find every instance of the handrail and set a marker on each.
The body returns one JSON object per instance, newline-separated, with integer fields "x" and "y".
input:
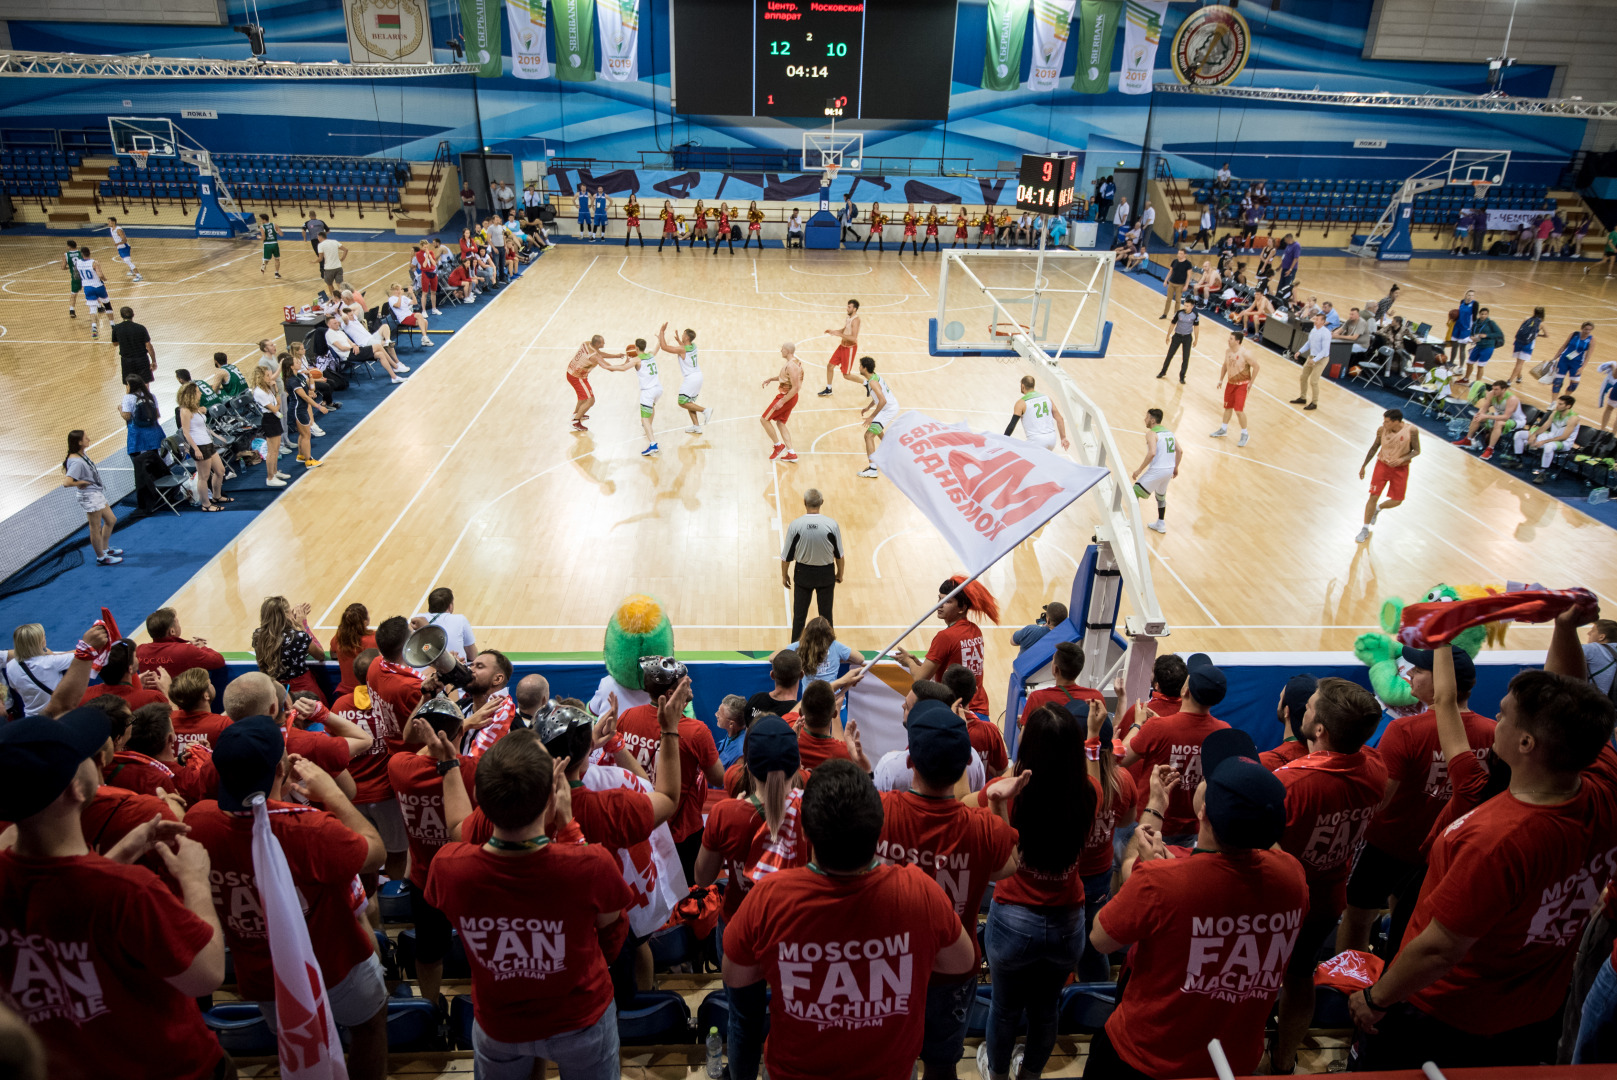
{"x": 440, "y": 164}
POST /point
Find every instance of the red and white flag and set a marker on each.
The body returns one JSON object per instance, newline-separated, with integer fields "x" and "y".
{"x": 984, "y": 492}
{"x": 305, "y": 1032}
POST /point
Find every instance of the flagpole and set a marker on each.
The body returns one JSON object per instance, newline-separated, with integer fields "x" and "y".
{"x": 930, "y": 612}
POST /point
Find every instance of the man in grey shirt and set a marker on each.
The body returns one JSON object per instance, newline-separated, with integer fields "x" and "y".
{"x": 1183, "y": 333}
{"x": 1356, "y": 330}
{"x": 814, "y": 542}
{"x": 1318, "y": 352}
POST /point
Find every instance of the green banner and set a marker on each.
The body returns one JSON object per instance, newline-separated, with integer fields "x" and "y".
{"x": 1007, "y": 26}
{"x": 574, "y": 23}
{"x": 480, "y": 24}
{"x": 1096, "y": 32}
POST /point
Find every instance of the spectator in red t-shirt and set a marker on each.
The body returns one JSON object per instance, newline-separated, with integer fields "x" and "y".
{"x": 815, "y": 741}
{"x": 121, "y": 677}
{"x": 1331, "y": 796}
{"x": 961, "y": 848}
{"x": 170, "y": 650}
{"x": 961, "y": 640}
{"x": 395, "y": 688}
{"x": 1418, "y": 787}
{"x": 1066, "y": 665}
{"x": 353, "y": 637}
{"x": 1115, "y": 801}
{"x": 1290, "y": 712}
{"x": 793, "y": 933}
{"x": 1487, "y": 958}
{"x": 541, "y": 991}
{"x": 986, "y": 738}
{"x": 1168, "y": 675}
{"x": 191, "y": 693}
{"x": 373, "y": 794}
{"x": 255, "y": 694}
{"x": 150, "y": 760}
{"x": 99, "y": 957}
{"x": 325, "y": 851}
{"x": 699, "y": 765}
{"x": 1176, "y": 740}
{"x": 1211, "y": 933}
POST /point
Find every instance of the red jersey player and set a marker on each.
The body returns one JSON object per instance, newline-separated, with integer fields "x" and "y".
{"x": 847, "y": 345}
{"x": 789, "y": 382}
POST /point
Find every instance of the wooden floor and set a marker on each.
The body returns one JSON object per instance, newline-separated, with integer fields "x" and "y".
{"x": 471, "y": 477}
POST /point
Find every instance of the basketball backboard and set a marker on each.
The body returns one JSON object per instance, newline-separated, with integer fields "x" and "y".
{"x": 1057, "y": 298}
{"x": 1473, "y": 166}
{"x": 153, "y": 136}
{"x": 831, "y": 147}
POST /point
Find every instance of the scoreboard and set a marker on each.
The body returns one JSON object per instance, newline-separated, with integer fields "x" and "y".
{"x": 805, "y": 59}
{"x": 1045, "y": 183}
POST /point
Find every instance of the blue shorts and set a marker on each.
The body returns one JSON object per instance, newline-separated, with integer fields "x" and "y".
{"x": 1608, "y": 393}
{"x": 600, "y": 221}
{"x": 123, "y": 251}
{"x": 1569, "y": 365}
{"x": 1480, "y": 354}
{"x": 95, "y": 292}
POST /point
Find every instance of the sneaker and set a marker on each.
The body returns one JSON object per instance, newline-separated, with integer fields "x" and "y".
{"x": 824, "y": 393}
{"x": 279, "y": 475}
{"x": 138, "y": 278}
{"x": 1464, "y": 441}
{"x": 1220, "y": 433}
{"x": 1364, "y": 534}
{"x": 434, "y": 311}
{"x": 779, "y": 447}
{"x": 869, "y": 473}
{"x": 277, "y": 482}
{"x": 95, "y": 329}
{"x": 425, "y": 344}
{"x": 693, "y": 430}
{"x": 401, "y": 368}
{"x": 650, "y": 450}
{"x": 309, "y": 463}
{"x": 115, "y": 551}
{"x": 1488, "y": 453}
{"x": 1016, "y": 1061}
{"x": 1158, "y": 526}
{"x": 277, "y": 273}
{"x": 578, "y": 426}
{"x": 707, "y": 417}
{"x": 314, "y": 429}
{"x": 1374, "y": 514}
{"x": 396, "y": 381}
{"x": 72, "y": 314}
{"x": 983, "y": 1071}
{"x": 1242, "y": 440}
{"x": 108, "y": 560}
{"x": 790, "y": 455}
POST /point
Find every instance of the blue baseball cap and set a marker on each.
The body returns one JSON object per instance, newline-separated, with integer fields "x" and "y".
{"x": 1246, "y": 803}
{"x": 940, "y": 749}
{"x": 771, "y": 747}
{"x": 246, "y": 755}
{"x": 40, "y": 756}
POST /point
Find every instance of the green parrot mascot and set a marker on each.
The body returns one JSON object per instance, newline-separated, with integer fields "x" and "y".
{"x": 1382, "y": 651}
{"x": 639, "y": 627}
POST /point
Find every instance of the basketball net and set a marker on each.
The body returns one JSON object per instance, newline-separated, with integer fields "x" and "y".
{"x": 1480, "y": 188}
{"x": 831, "y": 171}
{"x": 140, "y": 157}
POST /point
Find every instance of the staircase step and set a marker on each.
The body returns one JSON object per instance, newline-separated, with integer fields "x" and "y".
{"x": 67, "y": 217}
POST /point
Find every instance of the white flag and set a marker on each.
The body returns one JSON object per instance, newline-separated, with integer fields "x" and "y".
{"x": 620, "y": 39}
{"x": 306, "y": 1035}
{"x": 1142, "y": 29}
{"x": 658, "y": 886}
{"x": 984, "y": 492}
{"x": 1052, "y": 22}
{"x": 527, "y": 22}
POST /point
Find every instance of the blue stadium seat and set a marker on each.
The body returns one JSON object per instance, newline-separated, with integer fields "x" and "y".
{"x": 412, "y": 1025}
{"x": 106, "y": 189}
{"x": 460, "y": 1021}
{"x": 657, "y": 1017}
{"x": 1085, "y": 1007}
{"x": 394, "y": 899}
{"x": 241, "y": 1030}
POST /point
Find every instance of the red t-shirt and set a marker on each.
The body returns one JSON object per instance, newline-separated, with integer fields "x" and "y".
{"x": 1284, "y": 754}
{"x": 87, "y": 948}
{"x": 395, "y": 692}
{"x": 989, "y": 744}
{"x": 198, "y": 728}
{"x": 1522, "y": 880}
{"x": 369, "y": 769}
{"x": 134, "y": 696}
{"x": 815, "y": 750}
{"x": 1410, "y": 751}
{"x": 327, "y": 751}
{"x": 175, "y": 655}
{"x": 737, "y": 832}
{"x": 528, "y": 925}
{"x": 641, "y": 735}
{"x": 961, "y": 642}
{"x": 420, "y": 790}
{"x": 852, "y": 1004}
{"x": 958, "y": 846}
{"x": 114, "y": 813}
{"x": 1072, "y": 698}
{"x": 324, "y": 856}
{"x": 1330, "y": 800}
{"x": 1097, "y": 854}
{"x": 193, "y": 781}
{"x": 1175, "y": 740}
{"x": 1037, "y": 888}
{"x": 1470, "y": 778}
{"x": 1211, "y": 936}
{"x": 1159, "y": 706}
{"x": 345, "y": 662}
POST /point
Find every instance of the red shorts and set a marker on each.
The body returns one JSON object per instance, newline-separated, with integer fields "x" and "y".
{"x": 429, "y": 282}
{"x": 1393, "y": 478}
{"x": 781, "y": 408}
{"x": 843, "y": 358}
{"x": 1235, "y": 395}
{"x": 581, "y": 387}
{"x": 408, "y": 320}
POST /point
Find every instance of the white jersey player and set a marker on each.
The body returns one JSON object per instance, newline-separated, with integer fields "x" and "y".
{"x": 95, "y": 291}
{"x": 1161, "y": 464}
{"x": 644, "y": 364}
{"x": 1041, "y": 421}
{"x": 881, "y": 410}
{"x": 120, "y": 240}
{"x": 690, "y": 381}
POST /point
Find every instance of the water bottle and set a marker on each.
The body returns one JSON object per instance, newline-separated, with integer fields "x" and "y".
{"x": 1599, "y": 495}
{"x": 715, "y": 1054}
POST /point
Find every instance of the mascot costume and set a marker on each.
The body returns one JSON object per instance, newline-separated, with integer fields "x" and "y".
{"x": 638, "y": 628}
{"x": 1382, "y": 652}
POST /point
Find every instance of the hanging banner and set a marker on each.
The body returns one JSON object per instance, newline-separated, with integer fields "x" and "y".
{"x": 575, "y": 39}
{"x": 480, "y": 25}
{"x": 527, "y": 19}
{"x": 388, "y": 31}
{"x": 1097, "y": 32}
{"x": 620, "y": 39}
{"x": 1002, "y": 61}
{"x": 1142, "y": 29}
{"x": 1052, "y": 22}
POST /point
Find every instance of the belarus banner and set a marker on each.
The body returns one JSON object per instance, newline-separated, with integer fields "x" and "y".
{"x": 620, "y": 39}
{"x": 388, "y": 31}
{"x": 527, "y": 19}
{"x": 876, "y": 704}
{"x": 1052, "y": 21}
{"x": 575, "y": 39}
{"x": 306, "y": 1035}
{"x": 1097, "y": 32}
{"x": 480, "y": 25}
{"x": 984, "y": 492}
{"x": 1002, "y": 60}
{"x": 1142, "y": 29}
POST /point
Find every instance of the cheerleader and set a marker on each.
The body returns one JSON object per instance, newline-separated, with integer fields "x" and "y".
{"x": 755, "y": 226}
{"x": 910, "y": 222}
{"x": 877, "y": 220}
{"x": 699, "y": 229}
{"x": 932, "y": 221}
{"x": 961, "y": 225}
{"x": 583, "y": 211}
{"x": 601, "y": 205}
{"x": 723, "y": 221}
{"x": 1002, "y": 227}
{"x": 985, "y": 226}
{"x": 669, "y": 227}
{"x": 631, "y": 220}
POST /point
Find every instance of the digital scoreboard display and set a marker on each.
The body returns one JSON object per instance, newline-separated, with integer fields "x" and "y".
{"x": 828, "y": 59}
{"x": 1045, "y": 183}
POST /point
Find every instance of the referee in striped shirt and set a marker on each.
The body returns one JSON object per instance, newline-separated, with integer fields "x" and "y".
{"x": 814, "y": 542}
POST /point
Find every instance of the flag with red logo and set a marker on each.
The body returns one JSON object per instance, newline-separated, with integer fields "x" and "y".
{"x": 306, "y": 1034}
{"x": 984, "y": 492}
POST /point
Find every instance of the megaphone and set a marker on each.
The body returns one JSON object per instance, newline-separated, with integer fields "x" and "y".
{"x": 429, "y": 647}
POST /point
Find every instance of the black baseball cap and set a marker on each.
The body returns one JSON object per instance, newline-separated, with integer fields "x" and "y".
{"x": 1205, "y": 681}
{"x": 771, "y": 747}
{"x": 1465, "y": 669}
{"x": 1246, "y": 803}
{"x": 940, "y": 749}
{"x": 1294, "y": 701}
{"x": 246, "y": 755}
{"x": 39, "y": 757}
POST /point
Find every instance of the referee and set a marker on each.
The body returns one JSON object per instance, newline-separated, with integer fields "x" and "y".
{"x": 814, "y": 542}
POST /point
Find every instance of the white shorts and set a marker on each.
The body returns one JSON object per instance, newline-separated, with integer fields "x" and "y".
{"x": 389, "y": 822}
{"x": 1048, "y": 440}
{"x": 649, "y": 398}
{"x": 1523, "y": 355}
{"x": 1154, "y": 481}
{"x": 91, "y": 500}
{"x": 354, "y": 1000}
{"x": 691, "y": 387}
{"x": 884, "y": 418}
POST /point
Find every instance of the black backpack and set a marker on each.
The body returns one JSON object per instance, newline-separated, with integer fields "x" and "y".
{"x": 145, "y": 411}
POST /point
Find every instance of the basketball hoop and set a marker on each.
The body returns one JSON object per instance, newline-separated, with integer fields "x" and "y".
{"x": 1007, "y": 330}
{"x": 1480, "y": 188}
{"x": 831, "y": 170}
{"x": 140, "y": 157}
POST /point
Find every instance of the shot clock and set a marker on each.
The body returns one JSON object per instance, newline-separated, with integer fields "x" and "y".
{"x": 1045, "y": 183}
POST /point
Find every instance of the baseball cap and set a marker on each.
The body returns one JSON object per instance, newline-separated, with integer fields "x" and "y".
{"x": 771, "y": 747}
{"x": 1246, "y": 803}
{"x": 1294, "y": 700}
{"x": 1465, "y": 669}
{"x": 940, "y": 749}
{"x": 39, "y": 757}
{"x": 246, "y": 755}
{"x": 1205, "y": 681}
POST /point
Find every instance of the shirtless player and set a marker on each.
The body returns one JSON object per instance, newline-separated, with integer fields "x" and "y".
{"x": 1237, "y": 375}
{"x": 842, "y": 358}
{"x": 579, "y": 367}
{"x": 1397, "y": 444}
{"x": 789, "y": 381}
{"x": 690, "y": 385}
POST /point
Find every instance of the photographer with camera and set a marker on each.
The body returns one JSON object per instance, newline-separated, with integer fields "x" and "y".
{"x": 1052, "y": 614}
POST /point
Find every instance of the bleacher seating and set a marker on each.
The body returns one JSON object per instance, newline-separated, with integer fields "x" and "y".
{"x": 252, "y": 178}
{"x": 1356, "y": 203}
